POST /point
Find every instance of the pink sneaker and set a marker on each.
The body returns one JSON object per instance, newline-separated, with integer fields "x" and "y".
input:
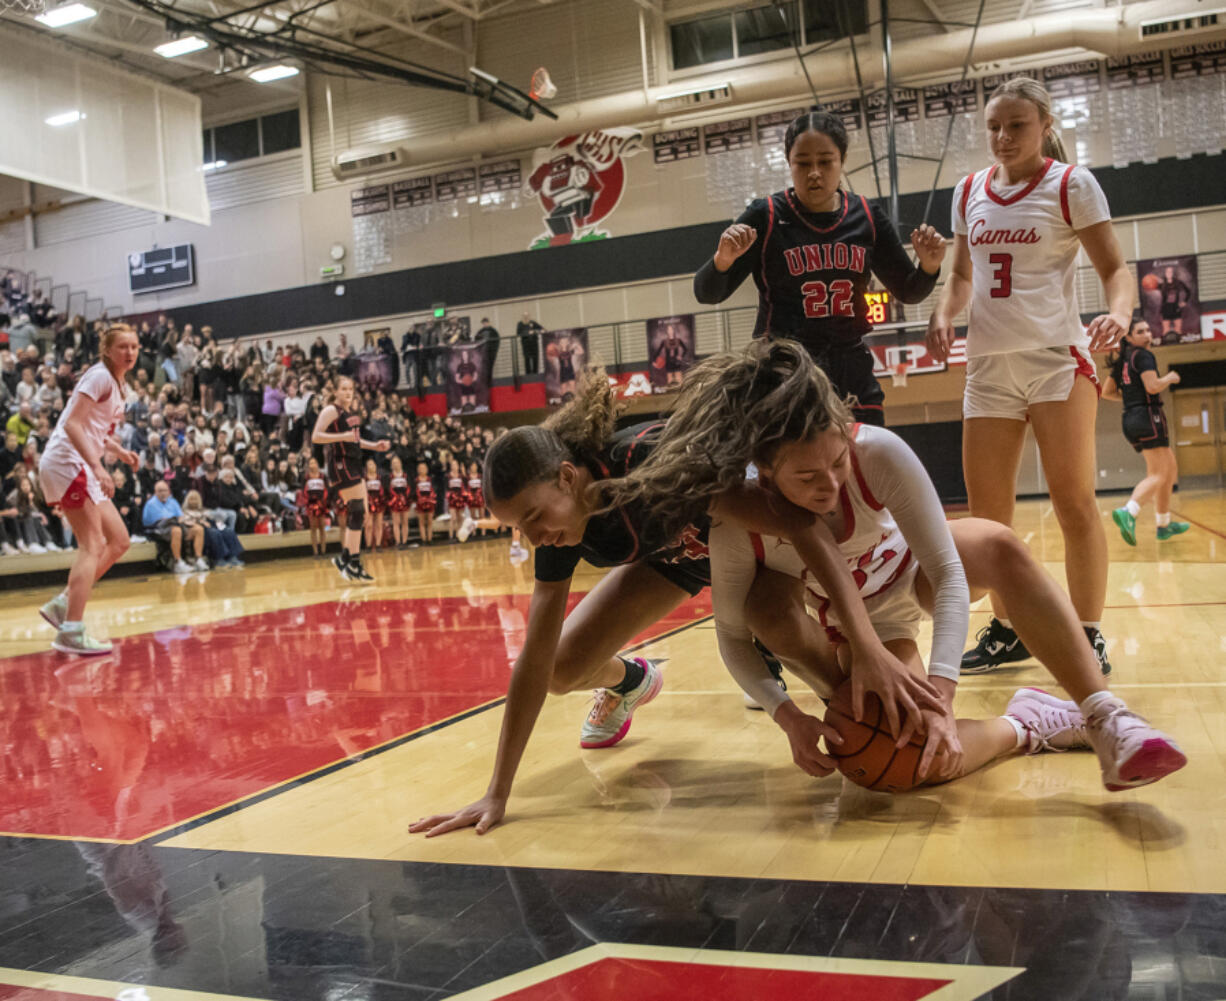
{"x": 1131, "y": 752}
{"x": 609, "y": 720}
{"x": 1051, "y": 724}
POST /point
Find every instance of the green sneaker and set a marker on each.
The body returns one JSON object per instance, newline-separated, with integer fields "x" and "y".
{"x": 55, "y": 611}
{"x": 78, "y": 641}
{"x": 1126, "y": 523}
{"x": 1173, "y": 529}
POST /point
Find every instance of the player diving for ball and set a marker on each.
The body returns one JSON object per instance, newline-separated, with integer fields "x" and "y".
{"x": 771, "y": 405}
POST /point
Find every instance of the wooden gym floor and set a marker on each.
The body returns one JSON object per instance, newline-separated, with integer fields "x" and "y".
{"x": 220, "y": 808}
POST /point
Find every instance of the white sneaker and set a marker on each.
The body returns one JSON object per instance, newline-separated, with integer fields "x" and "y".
{"x": 518, "y": 554}
{"x": 38, "y": 548}
{"x": 202, "y": 564}
{"x": 55, "y": 611}
{"x": 22, "y": 547}
{"x": 182, "y": 567}
{"x": 1051, "y": 723}
{"x": 609, "y": 719}
{"x": 137, "y": 539}
{"x": 8, "y": 549}
{"x": 466, "y": 529}
{"x": 52, "y": 547}
{"x": 1131, "y": 752}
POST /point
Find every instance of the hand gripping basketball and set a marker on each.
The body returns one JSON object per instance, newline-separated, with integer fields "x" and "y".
{"x": 803, "y": 733}
{"x": 903, "y": 694}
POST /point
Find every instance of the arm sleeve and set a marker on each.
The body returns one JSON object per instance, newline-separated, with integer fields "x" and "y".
{"x": 733, "y": 568}
{"x": 899, "y": 481}
{"x": 906, "y": 281}
{"x": 1086, "y": 202}
{"x": 712, "y": 286}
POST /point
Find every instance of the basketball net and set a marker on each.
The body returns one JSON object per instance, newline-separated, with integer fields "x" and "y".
{"x": 542, "y": 87}
{"x": 31, "y": 7}
{"x": 898, "y": 374}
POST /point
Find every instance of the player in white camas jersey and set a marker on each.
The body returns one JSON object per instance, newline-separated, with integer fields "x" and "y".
{"x": 908, "y": 562}
{"x": 1018, "y": 226}
{"x": 73, "y": 476}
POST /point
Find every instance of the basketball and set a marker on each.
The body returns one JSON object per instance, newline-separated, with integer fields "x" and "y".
{"x": 867, "y": 755}
{"x": 659, "y": 362}
{"x": 551, "y": 350}
{"x": 1150, "y": 282}
{"x": 466, "y": 379}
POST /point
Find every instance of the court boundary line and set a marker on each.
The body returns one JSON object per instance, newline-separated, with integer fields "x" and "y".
{"x": 1203, "y": 527}
{"x": 216, "y": 813}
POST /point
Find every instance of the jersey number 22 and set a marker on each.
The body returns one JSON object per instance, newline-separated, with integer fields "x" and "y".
{"x": 840, "y": 295}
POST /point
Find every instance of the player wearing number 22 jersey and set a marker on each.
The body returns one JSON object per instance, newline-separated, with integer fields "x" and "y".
{"x": 812, "y": 270}
{"x": 1025, "y": 343}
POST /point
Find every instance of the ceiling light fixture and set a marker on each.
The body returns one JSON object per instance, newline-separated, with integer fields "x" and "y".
{"x": 181, "y": 46}
{"x": 69, "y": 13}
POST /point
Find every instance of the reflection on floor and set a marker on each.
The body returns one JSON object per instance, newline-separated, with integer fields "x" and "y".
{"x": 690, "y": 853}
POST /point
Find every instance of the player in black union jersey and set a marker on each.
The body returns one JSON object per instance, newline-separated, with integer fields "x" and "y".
{"x": 811, "y": 250}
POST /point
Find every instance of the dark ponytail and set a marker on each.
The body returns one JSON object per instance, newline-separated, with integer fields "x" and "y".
{"x": 824, "y": 122}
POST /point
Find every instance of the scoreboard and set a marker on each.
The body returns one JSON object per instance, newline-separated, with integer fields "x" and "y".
{"x": 161, "y": 268}
{"x": 878, "y": 306}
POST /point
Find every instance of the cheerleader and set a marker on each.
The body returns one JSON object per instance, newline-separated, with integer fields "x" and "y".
{"x": 376, "y": 503}
{"x": 1135, "y": 382}
{"x": 426, "y": 500}
{"x": 476, "y": 496}
{"x": 340, "y": 427}
{"x": 812, "y": 250}
{"x": 73, "y": 476}
{"x": 457, "y": 498}
{"x": 1019, "y": 226}
{"x": 399, "y": 500}
{"x": 315, "y": 497}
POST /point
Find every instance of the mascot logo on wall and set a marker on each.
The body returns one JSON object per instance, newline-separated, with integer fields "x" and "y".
{"x": 579, "y": 181}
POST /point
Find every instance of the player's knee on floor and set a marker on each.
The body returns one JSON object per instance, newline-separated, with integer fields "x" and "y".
{"x": 356, "y": 514}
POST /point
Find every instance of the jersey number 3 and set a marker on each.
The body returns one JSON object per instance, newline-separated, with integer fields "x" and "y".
{"x": 839, "y": 295}
{"x": 1002, "y": 275}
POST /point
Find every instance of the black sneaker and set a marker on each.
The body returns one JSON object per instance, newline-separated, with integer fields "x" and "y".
{"x": 357, "y": 572}
{"x": 342, "y": 566}
{"x": 772, "y": 663}
{"x": 998, "y": 644}
{"x": 1099, "y": 644}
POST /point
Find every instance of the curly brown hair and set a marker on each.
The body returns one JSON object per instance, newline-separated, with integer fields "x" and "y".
{"x": 733, "y": 409}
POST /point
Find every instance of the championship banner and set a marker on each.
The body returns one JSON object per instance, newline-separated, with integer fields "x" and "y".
{"x": 565, "y": 354}
{"x": 1170, "y": 298}
{"x": 670, "y": 348}
{"x": 467, "y": 374}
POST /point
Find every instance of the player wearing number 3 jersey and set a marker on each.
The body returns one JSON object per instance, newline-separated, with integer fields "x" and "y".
{"x": 812, "y": 250}
{"x": 1018, "y": 226}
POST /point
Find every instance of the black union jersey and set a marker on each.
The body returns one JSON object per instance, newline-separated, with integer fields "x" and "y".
{"x": 345, "y": 457}
{"x": 619, "y": 536}
{"x": 812, "y": 269}
{"x": 1127, "y": 375}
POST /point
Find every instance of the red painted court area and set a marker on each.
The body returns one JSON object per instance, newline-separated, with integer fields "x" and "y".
{"x": 40, "y": 994}
{"x": 180, "y": 722}
{"x": 652, "y": 980}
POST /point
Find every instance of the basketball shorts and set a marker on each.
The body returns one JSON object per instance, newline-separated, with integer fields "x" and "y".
{"x": 1006, "y": 385}
{"x": 689, "y": 575}
{"x": 67, "y": 481}
{"x": 344, "y": 482}
{"x": 1171, "y": 311}
{"x": 1145, "y": 427}
{"x": 850, "y": 367}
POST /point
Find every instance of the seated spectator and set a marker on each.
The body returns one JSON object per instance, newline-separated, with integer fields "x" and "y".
{"x": 27, "y": 389}
{"x": 129, "y": 500}
{"x": 48, "y": 398}
{"x": 319, "y": 350}
{"x": 21, "y": 423}
{"x": 232, "y": 497}
{"x": 161, "y": 520}
{"x": 30, "y": 522}
{"x": 10, "y": 455}
{"x": 22, "y": 334}
{"x": 221, "y": 543}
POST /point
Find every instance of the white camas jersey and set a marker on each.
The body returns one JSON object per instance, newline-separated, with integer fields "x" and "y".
{"x": 101, "y": 398}
{"x": 1023, "y": 246}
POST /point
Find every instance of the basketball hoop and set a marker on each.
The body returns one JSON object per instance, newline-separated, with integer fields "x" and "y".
{"x": 898, "y": 375}
{"x": 542, "y": 87}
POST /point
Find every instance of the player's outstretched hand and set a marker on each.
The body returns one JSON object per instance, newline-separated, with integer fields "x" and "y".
{"x": 903, "y": 695}
{"x": 942, "y": 749}
{"x": 803, "y": 733}
{"x": 1106, "y": 330}
{"x": 733, "y": 242}
{"x": 940, "y": 337}
{"x": 929, "y": 247}
{"x": 482, "y": 815}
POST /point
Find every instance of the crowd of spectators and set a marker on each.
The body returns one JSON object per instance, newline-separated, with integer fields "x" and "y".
{"x": 226, "y": 421}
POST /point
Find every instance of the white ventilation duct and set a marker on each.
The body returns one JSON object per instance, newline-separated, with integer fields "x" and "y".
{"x": 1110, "y": 31}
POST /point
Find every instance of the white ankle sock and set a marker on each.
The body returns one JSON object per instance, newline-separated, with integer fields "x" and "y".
{"x": 1132, "y": 507}
{"x": 1092, "y": 702}
{"x": 1163, "y": 519}
{"x": 1018, "y": 728}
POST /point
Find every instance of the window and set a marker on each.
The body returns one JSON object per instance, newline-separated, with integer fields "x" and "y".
{"x": 280, "y": 132}
{"x": 253, "y": 137}
{"x": 237, "y": 141}
{"x": 706, "y": 41}
{"x": 765, "y": 29}
{"x": 756, "y": 30}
